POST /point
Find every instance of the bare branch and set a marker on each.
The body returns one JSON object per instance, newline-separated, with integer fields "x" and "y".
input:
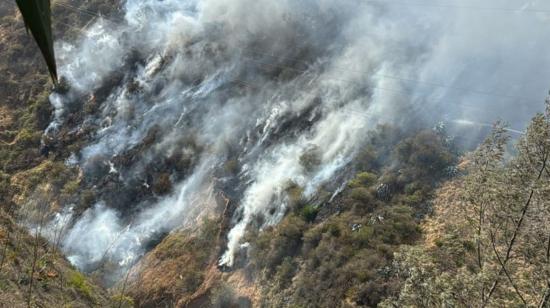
{"x": 503, "y": 267}
{"x": 514, "y": 235}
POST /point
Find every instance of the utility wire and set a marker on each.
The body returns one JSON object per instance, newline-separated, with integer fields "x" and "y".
{"x": 428, "y": 83}
{"x": 365, "y": 115}
{"x": 83, "y": 11}
{"x": 443, "y": 5}
{"x": 417, "y": 109}
{"x": 306, "y": 72}
{"x": 67, "y": 4}
{"x": 449, "y": 5}
{"x": 403, "y": 91}
{"x": 269, "y": 66}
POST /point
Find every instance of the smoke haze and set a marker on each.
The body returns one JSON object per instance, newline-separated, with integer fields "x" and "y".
{"x": 259, "y": 84}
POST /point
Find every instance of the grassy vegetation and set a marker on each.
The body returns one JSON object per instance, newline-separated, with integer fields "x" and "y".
{"x": 56, "y": 283}
{"x": 78, "y": 281}
{"x": 379, "y": 242}
{"x": 176, "y": 268}
{"x": 32, "y": 183}
{"x": 487, "y": 243}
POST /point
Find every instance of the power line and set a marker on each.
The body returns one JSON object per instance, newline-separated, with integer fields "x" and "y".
{"x": 405, "y": 91}
{"x": 266, "y": 66}
{"x": 456, "y": 6}
{"x": 428, "y": 83}
{"x": 416, "y": 108}
{"x": 66, "y": 4}
{"x": 83, "y": 11}
{"x": 365, "y": 115}
{"x": 480, "y": 124}
{"x": 446, "y": 5}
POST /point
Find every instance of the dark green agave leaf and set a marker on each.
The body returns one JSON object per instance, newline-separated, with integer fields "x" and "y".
{"x": 37, "y": 16}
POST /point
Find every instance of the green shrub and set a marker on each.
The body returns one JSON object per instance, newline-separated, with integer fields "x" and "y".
{"x": 414, "y": 199}
{"x": 28, "y": 138}
{"x": 423, "y": 157}
{"x": 309, "y": 213}
{"x": 285, "y": 272}
{"x": 122, "y": 301}
{"x": 78, "y": 281}
{"x": 362, "y": 195}
{"x": 222, "y": 296}
{"x": 231, "y": 166}
{"x": 363, "y": 179}
{"x": 71, "y": 187}
{"x": 397, "y": 225}
{"x": 87, "y": 198}
{"x": 363, "y": 236}
{"x": 272, "y": 246}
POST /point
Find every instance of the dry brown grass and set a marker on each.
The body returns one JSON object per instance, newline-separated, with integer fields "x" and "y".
{"x": 244, "y": 286}
{"x": 449, "y": 212}
{"x": 178, "y": 270}
{"x": 53, "y": 288}
{"x": 30, "y": 179}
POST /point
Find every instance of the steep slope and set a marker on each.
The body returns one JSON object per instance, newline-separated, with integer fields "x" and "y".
{"x": 330, "y": 251}
{"x": 488, "y": 241}
{"x": 32, "y": 271}
{"x": 201, "y": 154}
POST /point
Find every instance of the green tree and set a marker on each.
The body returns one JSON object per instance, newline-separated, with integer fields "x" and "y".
{"x": 494, "y": 248}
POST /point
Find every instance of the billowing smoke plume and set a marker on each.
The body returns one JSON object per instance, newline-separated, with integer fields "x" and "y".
{"x": 256, "y": 85}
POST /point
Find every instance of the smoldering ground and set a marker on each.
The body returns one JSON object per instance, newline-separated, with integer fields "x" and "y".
{"x": 188, "y": 88}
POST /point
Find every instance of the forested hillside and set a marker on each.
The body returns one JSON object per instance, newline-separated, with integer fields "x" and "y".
{"x": 488, "y": 241}
{"x": 193, "y": 155}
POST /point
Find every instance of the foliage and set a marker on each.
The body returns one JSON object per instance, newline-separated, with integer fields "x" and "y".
{"x": 317, "y": 257}
{"x": 176, "y": 268}
{"x": 308, "y": 213}
{"x": 310, "y": 159}
{"x": 489, "y": 238}
{"x": 363, "y": 179}
{"x": 78, "y": 281}
{"x": 222, "y": 296}
{"x": 122, "y": 301}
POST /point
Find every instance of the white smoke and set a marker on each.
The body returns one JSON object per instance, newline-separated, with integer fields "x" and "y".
{"x": 263, "y": 82}
{"x": 100, "y": 234}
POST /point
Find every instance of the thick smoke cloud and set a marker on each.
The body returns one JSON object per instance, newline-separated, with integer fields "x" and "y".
{"x": 260, "y": 84}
